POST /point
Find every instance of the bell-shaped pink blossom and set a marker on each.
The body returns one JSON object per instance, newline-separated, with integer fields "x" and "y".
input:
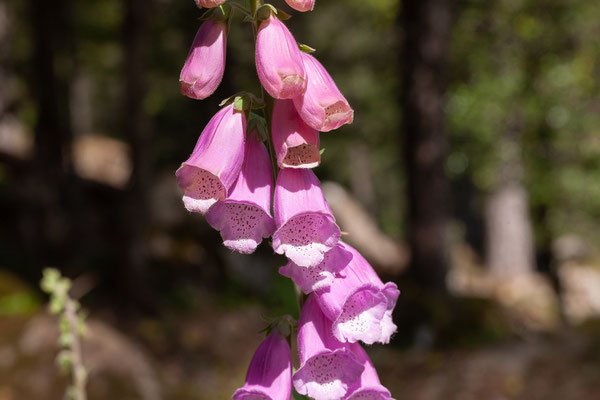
{"x": 205, "y": 64}
{"x": 306, "y": 228}
{"x": 244, "y": 218}
{"x": 209, "y": 3}
{"x": 296, "y": 144}
{"x": 269, "y": 375}
{"x": 327, "y": 367}
{"x": 278, "y": 60}
{"x": 359, "y": 303}
{"x": 215, "y": 163}
{"x": 321, "y": 276}
{"x": 301, "y": 5}
{"x": 368, "y": 386}
{"x": 322, "y": 106}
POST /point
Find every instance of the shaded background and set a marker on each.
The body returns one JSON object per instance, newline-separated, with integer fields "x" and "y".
{"x": 469, "y": 177}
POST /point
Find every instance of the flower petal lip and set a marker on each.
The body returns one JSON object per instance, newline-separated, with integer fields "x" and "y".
{"x": 359, "y": 303}
{"x": 278, "y": 60}
{"x": 269, "y": 375}
{"x": 306, "y": 229}
{"x": 301, "y": 5}
{"x": 216, "y": 161}
{"x": 327, "y": 366}
{"x": 321, "y": 276}
{"x": 296, "y": 144}
{"x": 205, "y": 64}
{"x": 322, "y": 106}
{"x": 244, "y": 218}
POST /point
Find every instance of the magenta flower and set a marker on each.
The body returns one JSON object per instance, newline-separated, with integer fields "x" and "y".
{"x": 209, "y": 3}
{"x": 205, "y": 64}
{"x": 320, "y": 276}
{"x": 269, "y": 375}
{"x": 359, "y": 304}
{"x": 306, "y": 229}
{"x": 278, "y": 60}
{"x": 296, "y": 144}
{"x": 327, "y": 366}
{"x": 301, "y": 5}
{"x": 215, "y": 163}
{"x": 322, "y": 107}
{"x": 368, "y": 386}
{"x": 244, "y": 218}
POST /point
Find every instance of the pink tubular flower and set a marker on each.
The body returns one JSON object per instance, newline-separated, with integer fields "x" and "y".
{"x": 209, "y": 3}
{"x": 244, "y": 218}
{"x": 359, "y": 304}
{"x": 306, "y": 229}
{"x": 321, "y": 276}
{"x": 296, "y": 144}
{"x": 215, "y": 162}
{"x": 368, "y": 387}
{"x": 322, "y": 106}
{"x": 327, "y": 367}
{"x": 301, "y": 5}
{"x": 278, "y": 60}
{"x": 205, "y": 64}
{"x": 269, "y": 375}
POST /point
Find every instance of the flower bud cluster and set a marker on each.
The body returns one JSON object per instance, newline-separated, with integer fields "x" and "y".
{"x": 229, "y": 179}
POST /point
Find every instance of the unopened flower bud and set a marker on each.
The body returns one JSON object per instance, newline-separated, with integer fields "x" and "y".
{"x": 322, "y": 106}
{"x": 205, "y": 64}
{"x": 301, "y": 5}
{"x": 278, "y": 60}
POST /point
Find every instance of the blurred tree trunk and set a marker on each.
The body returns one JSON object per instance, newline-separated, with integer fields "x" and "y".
{"x": 509, "y": 237}
{"x": 51, "y": 184}
{"x": 4, "y": 45}
{"x": 427, "y": 25}
{"x": 134, "y": 278}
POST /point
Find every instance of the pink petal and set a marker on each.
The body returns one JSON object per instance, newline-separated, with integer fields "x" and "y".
{"x": 301, "y": 5}
{"x": 216, "y": 161}
{"x": 278, "y": 60}
{"x": 296, "y": 144}
{"x": 322, "y": 106}
{"x": 306, "y": 229}
{"x": 358, "y": 303}
{"x": 270, "y": 372}
{"x": 205, "y": 64}
{"x": 244, "y": 218}
{"x": 320, "y": 276}
{"x": 209, "y": 3}
{"x": 368, "y": 387}
{"x": 327, "y": 367}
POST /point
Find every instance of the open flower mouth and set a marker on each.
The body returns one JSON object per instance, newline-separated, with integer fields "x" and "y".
{"x": 302, "y": 156}
{"x": 306, "y": 238}
{"x": 201, "y": 189}
{"x": 337, "y": 115}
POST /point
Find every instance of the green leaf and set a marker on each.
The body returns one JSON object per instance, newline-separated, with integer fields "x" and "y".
{"x": 282, "y": 15}
{"x": 306, "y": 48}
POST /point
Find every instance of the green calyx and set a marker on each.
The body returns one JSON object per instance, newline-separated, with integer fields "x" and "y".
{"x": 243, "y": 101}
{"x": 221, "y": 13}
{"x": 306, "y": 48}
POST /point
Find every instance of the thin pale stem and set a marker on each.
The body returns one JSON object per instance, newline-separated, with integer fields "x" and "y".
{"x": 79, "y": 373}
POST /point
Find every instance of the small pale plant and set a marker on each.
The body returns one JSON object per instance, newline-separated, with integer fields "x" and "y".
{"x": 72, "y": 329}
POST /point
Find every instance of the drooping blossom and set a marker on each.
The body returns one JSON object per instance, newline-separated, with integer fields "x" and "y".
{"x": 209, "y": 3}
{"x": 322, "y": 106}
{"x": 306, "y": 228}
{"x": 296, "y": 144}
{"x": 321, "y": 276}
{"x": 359, "y": 303}
{"x": 269, "y": 375}
{"x": 278, "y": 60}
{"x": 368, "y": 387}
{"x": 327, "y": 366}
{"x": 301, "y": 5}
{"x": 215, "y": 163}
{"x": 244, "y": 218}
{"x": 205, "y": 64}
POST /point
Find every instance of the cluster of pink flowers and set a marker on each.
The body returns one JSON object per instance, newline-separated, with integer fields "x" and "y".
{"x": 229, "y": 179}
